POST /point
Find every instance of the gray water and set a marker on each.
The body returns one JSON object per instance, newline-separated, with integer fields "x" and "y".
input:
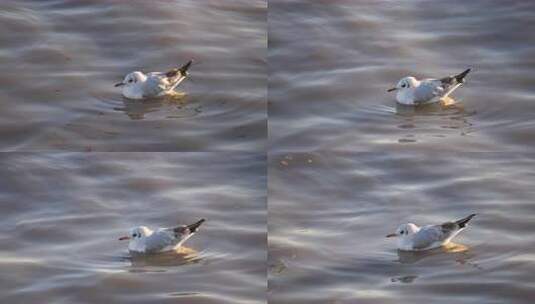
{"x": 62, "y": 215}
{"x": 330, "y": 207}
{"x": 329, "y": 213}
{"x": 60, "y": 60}
{"x": 331, "y": 62}
{"x": 345, "y": 164}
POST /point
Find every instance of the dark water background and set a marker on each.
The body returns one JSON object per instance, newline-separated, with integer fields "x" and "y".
{"x": 60, "y": 60}
{"x": 62, "y": 214}
{"x": 331, "y": 62}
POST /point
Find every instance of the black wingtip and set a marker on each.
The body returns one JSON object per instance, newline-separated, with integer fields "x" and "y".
{"x": 460, "y": 77}
{"x": 185, "y": 67}
{"x": 462, "y": 222}
{"x": 193, "y": 227}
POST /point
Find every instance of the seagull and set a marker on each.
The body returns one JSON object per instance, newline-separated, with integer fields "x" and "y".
{"x": 414, "y": 238}
{"x": 143, "y": 240}
{"x": 412, "y": 92}
{"x": 138, "y": 85}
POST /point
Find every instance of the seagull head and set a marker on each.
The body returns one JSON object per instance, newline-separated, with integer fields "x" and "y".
{"x": 405, "y": 231}
{"x": 133, "y": 85}
{"x": 132, "y": 79}
{"x": 137, "y": 233}
{"x": 136, "y": 237}
{"x": 405, "y": 83}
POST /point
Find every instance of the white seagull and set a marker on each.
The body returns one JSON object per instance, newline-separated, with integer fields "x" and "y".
{"x": 414, "y": 238}
{"x": 144, "y": 240}
{"x": 411, "y": 91}
{"x": 138, "y": 85}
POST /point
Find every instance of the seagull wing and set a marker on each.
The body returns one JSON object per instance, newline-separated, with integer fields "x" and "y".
{"x": 160, "y": 240}
{"x": 175, "y": 76}
{"x": 427, "y": 90}
{"x": 454, "y": 79}
{"x": 451, "y": 83}
{"x": 427, "y": 237}
{"x": 165, "y": 239}
{"x": 180, "y": 234}
{"x": 154, "y": 85}
{"x": 158, "y": 83}
{"x": 183, "y": 232}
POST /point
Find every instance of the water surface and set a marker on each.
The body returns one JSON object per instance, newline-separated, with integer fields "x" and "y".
{"x": 331, "y": 62}
{"x": 62, "y": 215}
{"x": 329, "y": 214}
{"x": 60, "y": 60}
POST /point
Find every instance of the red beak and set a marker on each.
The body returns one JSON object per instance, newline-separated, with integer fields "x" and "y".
{"x": 124, "y": 238}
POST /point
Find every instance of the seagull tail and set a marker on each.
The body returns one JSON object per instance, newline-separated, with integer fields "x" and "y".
{"x": 462, "y": 222}
{"x": 183, "y": 69}
{"x": 460, "y": 77}
{"x": 193, "y": 227}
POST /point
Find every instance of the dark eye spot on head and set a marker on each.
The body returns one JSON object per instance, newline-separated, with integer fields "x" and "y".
{"x": 403, "y": 85}
{"x": 134, "y": 235}
{"x": 130, "y": 80}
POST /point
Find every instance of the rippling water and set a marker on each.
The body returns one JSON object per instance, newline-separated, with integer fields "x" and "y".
{"x": 329, "y": 213}
{"x": 61, "y": 216}
{"x": 346, "y": 164}
{"x": 60, "y": 60}
{"x": 331, "y": 62}
{"x": 330, "y": 207}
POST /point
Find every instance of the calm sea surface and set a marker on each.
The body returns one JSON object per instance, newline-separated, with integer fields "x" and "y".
{"x": 331, "y": 62}
{"x": 60, "y": 60}
{"x": 329, "y": 213}
{"x": 62, "y": 214}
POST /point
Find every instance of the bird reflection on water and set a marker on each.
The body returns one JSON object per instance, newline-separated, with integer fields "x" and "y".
{"x": 410, "y": 257}
{"x": 452, "y": 251}
{"x": 175, "y": 106}
{"x": 151, "y": 263}
{"x": 448, "y": 114}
